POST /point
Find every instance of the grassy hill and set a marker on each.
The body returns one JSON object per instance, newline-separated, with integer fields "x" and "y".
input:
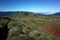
{"x": 23, "y": 26}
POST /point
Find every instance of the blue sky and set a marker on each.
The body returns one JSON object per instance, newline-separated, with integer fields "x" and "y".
{"x": 30, "y": 5}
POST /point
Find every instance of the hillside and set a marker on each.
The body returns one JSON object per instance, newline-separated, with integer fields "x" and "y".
{"x": 23, "y": 26}
{"x": 55, "y": 14}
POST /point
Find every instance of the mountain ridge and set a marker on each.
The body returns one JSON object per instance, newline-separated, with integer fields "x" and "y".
{"x": 41, "y": 13}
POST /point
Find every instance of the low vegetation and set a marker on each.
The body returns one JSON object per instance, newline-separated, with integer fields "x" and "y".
{"x": 24, "y": 27}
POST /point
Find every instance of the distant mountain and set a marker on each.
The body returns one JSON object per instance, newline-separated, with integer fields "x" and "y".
{"x": 9, "y": 13}
{"x": 26, "y": 12}
{"x": 55, "y": 14}
{"x": 6, "y": 13}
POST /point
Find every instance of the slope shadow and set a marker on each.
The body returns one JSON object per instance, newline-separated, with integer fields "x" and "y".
{"x": 4, "y": 32}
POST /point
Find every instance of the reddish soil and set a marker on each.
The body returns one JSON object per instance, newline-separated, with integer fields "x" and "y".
{"x": 52, "y": 27}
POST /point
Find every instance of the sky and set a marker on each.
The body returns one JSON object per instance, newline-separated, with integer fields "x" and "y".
{"x": 30, "y": 5}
